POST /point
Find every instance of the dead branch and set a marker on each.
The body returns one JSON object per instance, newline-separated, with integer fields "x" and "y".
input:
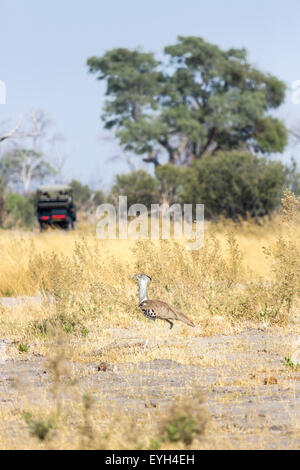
{"x": 38, "y": 126}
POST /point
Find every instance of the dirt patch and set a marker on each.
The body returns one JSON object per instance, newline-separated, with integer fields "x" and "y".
{"x": 252, "y": 397}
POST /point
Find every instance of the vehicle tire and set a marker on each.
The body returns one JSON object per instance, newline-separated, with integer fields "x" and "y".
{"x": 67, "y": 225}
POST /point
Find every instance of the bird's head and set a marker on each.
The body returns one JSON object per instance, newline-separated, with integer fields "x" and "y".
{"x": 141, "y": 277}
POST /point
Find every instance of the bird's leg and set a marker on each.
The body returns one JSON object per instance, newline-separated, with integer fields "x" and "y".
{"x": 171, "y": 324}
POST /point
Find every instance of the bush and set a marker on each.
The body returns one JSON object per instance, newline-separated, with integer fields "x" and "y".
{"x": 230, "y": 184}
{"x": 42, "y": 428}
{"x": 23, "y": 347}
{"x": 170, "y": 180}
{"x": 138, "y": 186}
{"x": 293, "y": 175}
{"x": 20, "y": 211}
{"x": 185, "y": 420}
{"x": 235, "y": 184}
{"x": 82, "y": 194}
{"x": 85, "y": 198}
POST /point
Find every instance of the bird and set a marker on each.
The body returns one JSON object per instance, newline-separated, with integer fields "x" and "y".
{"x": 157, "y": 309}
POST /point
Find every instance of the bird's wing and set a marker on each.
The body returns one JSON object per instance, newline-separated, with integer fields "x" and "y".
{"x": 165, "y": 311}
{"x": 161, "y": 309}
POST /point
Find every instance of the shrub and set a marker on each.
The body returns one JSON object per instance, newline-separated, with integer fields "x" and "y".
{"x": 81, "y": 193}
{"x": 139, "y": 187}
{"x": 20, "y": 211}
{"x": 235, "y": 184}
{"x": 85, "y": 198}
{"x": 42, "y": 428}
{"x": 184, "y": 421}
{"x": 23, "y": 347}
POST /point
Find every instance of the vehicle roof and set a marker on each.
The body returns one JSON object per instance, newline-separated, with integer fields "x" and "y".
{"x": 54, "y": 188}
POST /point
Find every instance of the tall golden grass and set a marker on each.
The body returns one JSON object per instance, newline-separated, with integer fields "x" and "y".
{"x": 244, "y": 271}
{"x": 246, "y": 274}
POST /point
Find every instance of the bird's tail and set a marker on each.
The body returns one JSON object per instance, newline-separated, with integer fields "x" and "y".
{"x": 185, "y": 319}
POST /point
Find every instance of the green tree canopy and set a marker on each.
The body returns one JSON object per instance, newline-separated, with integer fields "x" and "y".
{"x": 200, "y": 101}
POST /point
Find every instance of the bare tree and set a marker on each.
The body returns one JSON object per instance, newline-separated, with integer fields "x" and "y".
{"x": 34, "y": 143}
{"x": 58, "y": 164}
{"x": 18, "y": 132}
{"x": 25, "y": 165}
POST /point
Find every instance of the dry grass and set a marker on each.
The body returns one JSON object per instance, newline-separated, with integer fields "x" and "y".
{"x": 246, "y": 275}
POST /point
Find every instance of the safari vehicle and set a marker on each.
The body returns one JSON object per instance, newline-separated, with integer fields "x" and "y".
{"x": 55, "y": 207}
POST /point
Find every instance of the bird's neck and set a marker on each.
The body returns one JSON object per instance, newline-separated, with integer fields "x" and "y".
{"x": 142, "y": 290}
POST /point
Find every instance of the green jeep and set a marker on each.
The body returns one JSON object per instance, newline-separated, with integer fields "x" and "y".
{"x": 55, "y": 207}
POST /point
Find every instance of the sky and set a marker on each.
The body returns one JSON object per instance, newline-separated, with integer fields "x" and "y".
{"x": 44, "y": 46}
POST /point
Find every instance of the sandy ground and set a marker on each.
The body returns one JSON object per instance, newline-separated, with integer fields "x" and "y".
{"x": 252, "y": 397}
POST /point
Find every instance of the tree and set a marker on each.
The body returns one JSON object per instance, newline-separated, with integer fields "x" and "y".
{"x": 17, "y": 132}
{"x": 26, "y": 149}
{"x": 35, "y": 134}
{"x": 24, "y": 166}
{"x": 207, "y": 100}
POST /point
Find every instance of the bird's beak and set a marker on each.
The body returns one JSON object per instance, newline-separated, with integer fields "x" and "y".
{"x": 133, "y": 277}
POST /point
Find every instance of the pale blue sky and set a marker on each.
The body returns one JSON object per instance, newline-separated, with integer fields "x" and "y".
{"x": 45, "y": 44}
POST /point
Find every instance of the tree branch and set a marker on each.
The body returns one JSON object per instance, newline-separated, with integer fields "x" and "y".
{"x": 152, "y": 158}
{"x": 14, "y": 134}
